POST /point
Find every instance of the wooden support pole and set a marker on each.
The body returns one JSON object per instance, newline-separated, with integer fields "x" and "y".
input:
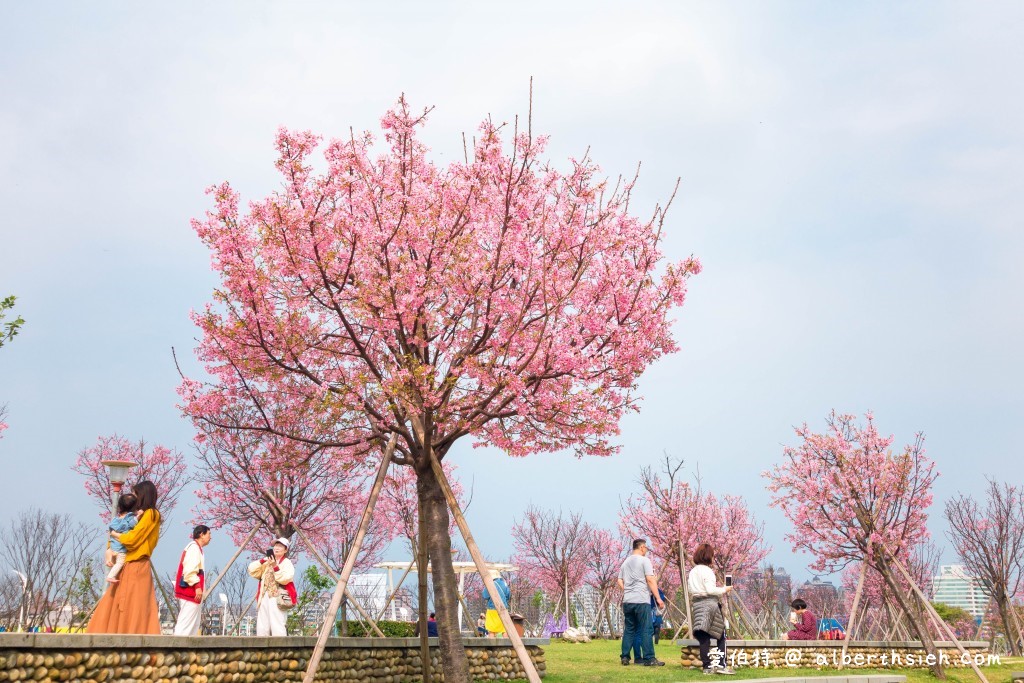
{"x": 331, "y": 573}
{"x": 748, "y": 617}
{"x": 600, "y": 615}
{"x": 481, "y": 566}
{"x": 686, "y": 589}
{"x": 209, "y": 591}
{"x": 851, "y": 623}
{"x": 422, "y": 563}
{"x": 172, "y": 607}
{"x": 1015, "y": 619}
{"x": 394, "y": 592}
{"x": 935, "y": 615}
{"x": 350, "y": 562}
{"x": 465, "y": 607}
{"x": 238, "y": 622}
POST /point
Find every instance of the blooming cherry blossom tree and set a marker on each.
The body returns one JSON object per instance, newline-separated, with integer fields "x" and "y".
{"x": 496, "y": 298}
{"x": 852, "y": 498}
{"x": 553, "y": 549}
{"x": 672, "y": 513}
{"x": 165, "y": 467}
{"x": 604, "y": 555}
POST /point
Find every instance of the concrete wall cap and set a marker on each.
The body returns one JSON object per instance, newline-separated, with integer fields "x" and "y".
{"x": 76, "y": 641}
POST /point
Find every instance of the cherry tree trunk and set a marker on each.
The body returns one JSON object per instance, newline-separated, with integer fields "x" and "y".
{"x": 434, "y": 511}
{"x": 1012, "y": 635}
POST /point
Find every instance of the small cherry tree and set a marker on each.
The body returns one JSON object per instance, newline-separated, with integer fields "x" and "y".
{"x": 989, "y": 540}
{"x": 165, "y": 467}
{"x": 603, "y": 558}
{"x": 552, "y": 548}
{"x": 672, "y": 513}
{"x": 852, "y": 498}
{"x": 496, "y": 298}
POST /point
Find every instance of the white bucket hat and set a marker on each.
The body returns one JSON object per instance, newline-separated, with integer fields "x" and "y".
{"x": 283, "y": 541}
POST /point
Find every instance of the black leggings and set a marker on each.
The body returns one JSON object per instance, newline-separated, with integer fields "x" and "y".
{"x": 704, "y": 638}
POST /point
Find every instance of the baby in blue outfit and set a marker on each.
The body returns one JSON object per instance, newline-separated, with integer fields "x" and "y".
{"x": 125, "y": 521}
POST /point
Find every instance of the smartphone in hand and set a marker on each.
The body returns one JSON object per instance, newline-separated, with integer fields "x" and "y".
{"x": 728, "y": 579}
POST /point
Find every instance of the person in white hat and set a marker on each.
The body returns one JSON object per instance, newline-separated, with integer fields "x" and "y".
{"x": 277, "y": 593}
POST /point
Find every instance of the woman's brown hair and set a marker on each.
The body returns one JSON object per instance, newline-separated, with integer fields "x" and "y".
{"x": 704, "y": 554}
{"x": 146, "y": 492}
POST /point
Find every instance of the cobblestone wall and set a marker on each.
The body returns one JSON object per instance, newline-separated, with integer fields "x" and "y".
{"x": 169, "y": 659}
{"x": 827, "y": 654}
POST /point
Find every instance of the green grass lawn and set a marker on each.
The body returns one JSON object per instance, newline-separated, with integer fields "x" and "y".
{"x": 598, "y": 661}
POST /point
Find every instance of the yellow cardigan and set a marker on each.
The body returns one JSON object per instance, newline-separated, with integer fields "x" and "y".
{"x": 141, "y": 541}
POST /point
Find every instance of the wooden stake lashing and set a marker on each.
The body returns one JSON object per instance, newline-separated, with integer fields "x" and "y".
{"x": 481, "y": 566}
{"x": 350, "y": 562}
{"x": 853, "y": 612}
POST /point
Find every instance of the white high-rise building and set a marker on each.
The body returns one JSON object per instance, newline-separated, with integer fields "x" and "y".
{"x": 956, "y": 588}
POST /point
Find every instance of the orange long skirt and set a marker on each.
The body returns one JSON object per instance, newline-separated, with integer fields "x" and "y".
{"x": 128, "y": 606}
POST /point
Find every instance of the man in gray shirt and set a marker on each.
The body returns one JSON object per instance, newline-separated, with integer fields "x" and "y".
{"x": 638, "y": 584}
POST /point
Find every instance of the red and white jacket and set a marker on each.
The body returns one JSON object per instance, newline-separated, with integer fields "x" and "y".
{"x": 190, "y": 573}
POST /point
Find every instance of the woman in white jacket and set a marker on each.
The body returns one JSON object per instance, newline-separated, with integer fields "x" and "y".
{"x": 708, "y": 620}
{"x": 276, "y": 574}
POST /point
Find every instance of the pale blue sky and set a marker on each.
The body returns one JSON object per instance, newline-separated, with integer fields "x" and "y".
{"x": 853, "y": 180}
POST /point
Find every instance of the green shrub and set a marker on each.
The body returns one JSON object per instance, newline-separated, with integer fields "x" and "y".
{"x": 391, "y": 629}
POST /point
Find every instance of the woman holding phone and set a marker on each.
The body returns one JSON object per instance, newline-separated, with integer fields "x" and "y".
{"x": 708, "y": 620}
{"x": 277, "y": 588}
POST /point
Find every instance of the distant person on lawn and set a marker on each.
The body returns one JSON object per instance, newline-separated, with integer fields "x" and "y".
{"x": 638, "y": 584}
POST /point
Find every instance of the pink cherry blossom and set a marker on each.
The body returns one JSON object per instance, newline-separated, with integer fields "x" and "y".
{"x": 165, "y": 467}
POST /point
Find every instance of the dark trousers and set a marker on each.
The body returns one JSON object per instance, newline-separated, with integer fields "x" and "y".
{"x": 704, "y": 638}
{"x": 637, "y": 618}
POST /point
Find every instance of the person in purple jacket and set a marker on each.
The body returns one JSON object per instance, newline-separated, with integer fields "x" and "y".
{"x": 805, "y": 624}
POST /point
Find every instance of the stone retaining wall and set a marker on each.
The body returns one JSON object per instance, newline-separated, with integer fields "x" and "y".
{"x": 215, "y": 659}
{"x": 827, "y": 654}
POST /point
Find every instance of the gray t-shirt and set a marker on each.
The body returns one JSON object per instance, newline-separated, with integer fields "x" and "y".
{"x": 634, "y": 573}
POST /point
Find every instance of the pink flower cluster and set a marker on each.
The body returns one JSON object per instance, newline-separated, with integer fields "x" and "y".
{"x": 850, "y": 496}
{"x": 497, "y": 298}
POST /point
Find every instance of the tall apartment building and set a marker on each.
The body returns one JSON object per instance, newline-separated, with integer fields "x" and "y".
{"x": 956, "y": 588}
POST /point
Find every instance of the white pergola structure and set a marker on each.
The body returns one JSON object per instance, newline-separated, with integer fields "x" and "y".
{"x": 461, "y": 568}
